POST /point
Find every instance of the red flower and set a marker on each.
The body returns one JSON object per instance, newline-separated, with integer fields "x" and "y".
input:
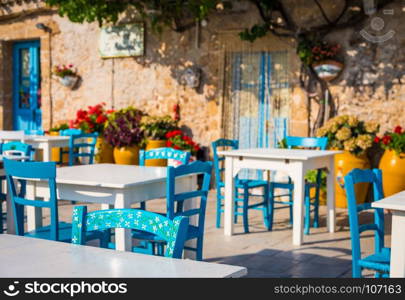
{"x": 176, "y": 147}
{"x": 386, "y": 139}
{"x": 101, "y": 119}
{"x": 81, "y": 114}
{"x": 196, "y": 148}
{"x": 186, "y": 138}
{"x": 398, "y": 129}
{"x": 377, "y": 140}
{"x": 169, "y": 143}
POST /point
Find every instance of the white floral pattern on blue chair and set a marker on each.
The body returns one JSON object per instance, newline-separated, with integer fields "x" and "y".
{"x": 172, "y": 231}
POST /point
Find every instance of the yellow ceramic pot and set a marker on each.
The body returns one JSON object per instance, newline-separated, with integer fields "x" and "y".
{"x": 104, "y": 151}
{"x": 55, "y": 155}
{"x": 344, "y": 163}
{"x": 126, "y": 155}
{"x": 392, "y": 166}
{"x": 154, "y": 144}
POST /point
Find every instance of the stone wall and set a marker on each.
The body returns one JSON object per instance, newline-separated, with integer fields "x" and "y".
{"x": 370, "y": 86}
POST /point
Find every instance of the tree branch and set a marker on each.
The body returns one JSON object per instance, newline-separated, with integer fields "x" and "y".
{"x": 323, "y": 12}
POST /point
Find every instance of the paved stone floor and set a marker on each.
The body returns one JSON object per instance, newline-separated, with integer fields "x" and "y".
{"x": 271, "y": 254}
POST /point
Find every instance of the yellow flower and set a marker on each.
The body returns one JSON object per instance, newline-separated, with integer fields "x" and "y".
{"x": 371, "y": 127}
{"x": 321, "y": 132}
{"x": 350, "y": 145}
{"x": 352, "y": 121}
{"x": 344, "y": 134}
{"x": 364, "y": 141}
{"x": 340, "y": 120}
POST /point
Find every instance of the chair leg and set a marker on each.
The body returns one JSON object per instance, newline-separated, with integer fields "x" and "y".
{"x": 199, "y": 255}
{"x": 245, "y": 210}
{"x": 266, "y": 207}
{"x": 271, "y": 206}
{"x": 356, "y": 270}
{"x": 316, "y": 212}
{"x": 290, "y": 198}
{"x": 307, "y": 217}
{"x": 143, "y": 206}
{"x": 218, "y": 222}
{"x": 235, "y": 216}
{"x": 1, "y": 216}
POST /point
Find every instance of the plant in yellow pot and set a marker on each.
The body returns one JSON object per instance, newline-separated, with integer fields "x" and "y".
{"x": 155, "y": 129}
{"x": 392, "y": 163}
{"x": 93, "y": 120}
{"x": 355, "y": 137}
{"x": 123, "y": 132}
{"x": 54, "y": 131}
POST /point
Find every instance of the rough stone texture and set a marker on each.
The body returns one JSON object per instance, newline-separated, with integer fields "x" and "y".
{"x": 371, "y": 85}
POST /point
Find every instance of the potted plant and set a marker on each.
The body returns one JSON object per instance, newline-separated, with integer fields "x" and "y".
{"x": 392, "y": 162}
{"x": 180, "y": 141}
{"x": 155, "y": 130}
{"x": 322, "y": 56}
{"x": 93, "y": 120}
{"x": 123, "y": 132}
{"x": 54, "y": 131}
{"x": 354, "y": 137}
{"x": 67, "y": 75}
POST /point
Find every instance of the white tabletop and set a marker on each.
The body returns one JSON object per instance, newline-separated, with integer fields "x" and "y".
{"x": 110, "y": 175}
{"x": 40, "y": 138}
{"x": 394, "y": 202}
{"x": 276, "y": 153}
{"x": 29, "y": 257}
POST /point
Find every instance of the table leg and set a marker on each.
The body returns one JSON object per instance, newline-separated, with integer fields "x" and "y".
{"x": 298, "y": 204}
{"x": 106, "y": 206}
{"x": 123, "y": 237}
{"x": 192, "y": 186}
{"x": 330, "y": 185}
{"x": 47, "y": 153}
{"x": 398, "y": 245}
{"x": 10, "y": 214}
{"x": 34, "y": 214}
{"x": 229, "y": 196}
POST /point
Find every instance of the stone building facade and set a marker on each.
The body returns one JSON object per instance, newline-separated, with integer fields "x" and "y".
{"x": 371, "y": 85}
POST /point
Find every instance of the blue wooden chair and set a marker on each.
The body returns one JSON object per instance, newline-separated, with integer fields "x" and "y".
{"x": 245, "y": 184}
{"x": 163, "y": 153}
{"x": 172, "y": 231}
{"x": 380, "y": 260}
{"x": 80, "y": 145}
{"x": 307, "y": 143}
{"x": 175, "y": 207}
{"x": 14, "y": 148}
{"x": 57, "y": 231}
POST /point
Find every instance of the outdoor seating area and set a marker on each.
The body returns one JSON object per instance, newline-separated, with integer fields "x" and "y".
{"x": 269, "y": 143}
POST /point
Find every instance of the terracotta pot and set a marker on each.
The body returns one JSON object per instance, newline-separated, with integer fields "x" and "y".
{"x": 328, "y": 69}
{"x": 154, "y": 144}
{"x": 55, "y": 155}
{"x": 392, "y": 166}
{"x": 344, "y": 163}
{"x": 104, "y": 152}
{"x": 126, "y": 155}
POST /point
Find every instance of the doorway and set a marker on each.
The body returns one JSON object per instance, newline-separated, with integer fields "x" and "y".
{"x": 26, "y": 96}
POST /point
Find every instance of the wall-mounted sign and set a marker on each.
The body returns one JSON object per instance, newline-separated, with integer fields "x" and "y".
{"x": 122, "y": 41}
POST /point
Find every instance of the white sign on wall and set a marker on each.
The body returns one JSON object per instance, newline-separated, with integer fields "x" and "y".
{"x": 122, "y": 41}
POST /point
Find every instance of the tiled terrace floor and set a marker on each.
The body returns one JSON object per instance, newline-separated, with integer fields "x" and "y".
{"x": 271, "y": 254}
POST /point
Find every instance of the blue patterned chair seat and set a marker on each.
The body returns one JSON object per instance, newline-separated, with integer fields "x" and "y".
{"x": 377, "y": 261}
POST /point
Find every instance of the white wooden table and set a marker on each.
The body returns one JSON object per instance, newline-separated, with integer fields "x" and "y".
{"x": 396, "y": 203}
{"x": 44, "y": 142}
{"x": 110, "y": 185}
{"x": 293, "y": 162}
{"x": 29, "y": 257}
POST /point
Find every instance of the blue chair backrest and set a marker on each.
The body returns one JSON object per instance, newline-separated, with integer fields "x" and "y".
{"x": 219, "y": 169}
{"x": 34, "y": 132}
{"x": 175, "y": 200}
{"x": 70, "y": 131}
{"x": 16, "y": 148}
{"x": 32, "y": 170}
{"x": 80, "y": 144}
{"x": 164, "y": 153}
{"x": 307, "y": 142}
{"x": 375, "y": 178}
{"x": 172, "y": 231}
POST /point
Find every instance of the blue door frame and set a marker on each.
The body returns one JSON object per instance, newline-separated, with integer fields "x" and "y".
{"x": 26, "y": 86}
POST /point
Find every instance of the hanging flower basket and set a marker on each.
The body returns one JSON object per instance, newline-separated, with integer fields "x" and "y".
{"x": 68, "y": 81}
{"x": 328, "y": 69}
